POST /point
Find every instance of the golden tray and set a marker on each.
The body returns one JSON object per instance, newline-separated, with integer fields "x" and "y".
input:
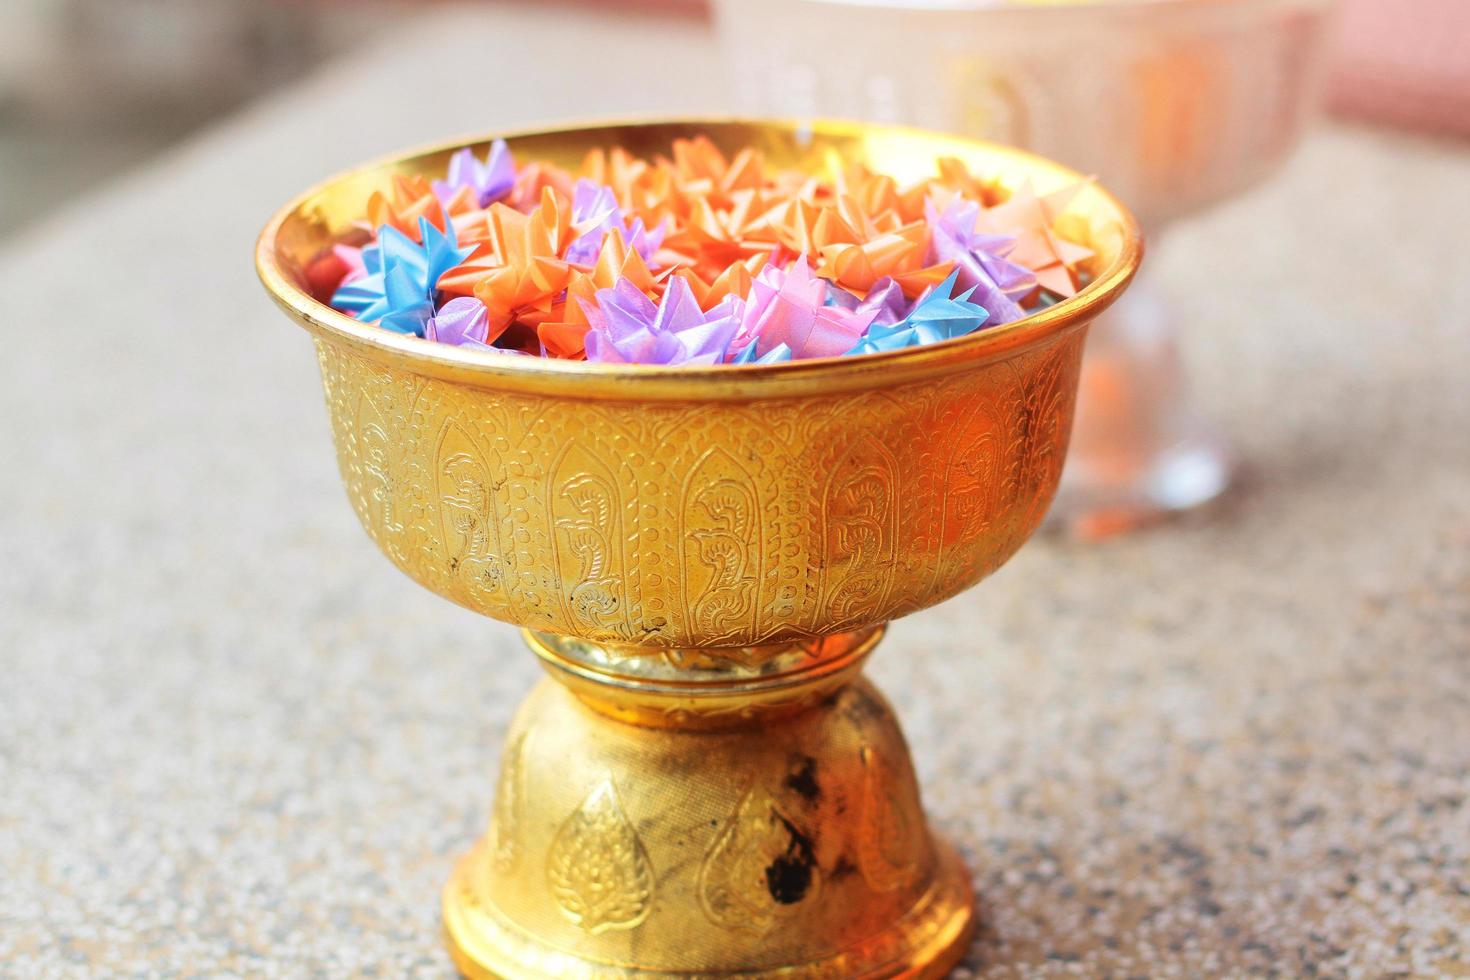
{"x": 702, "y": 559}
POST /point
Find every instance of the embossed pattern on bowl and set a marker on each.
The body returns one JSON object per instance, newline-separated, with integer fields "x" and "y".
{"x": 694, "y": 508}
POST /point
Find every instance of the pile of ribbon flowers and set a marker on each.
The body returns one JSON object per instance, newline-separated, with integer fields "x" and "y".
{"x": 698, "y": 259}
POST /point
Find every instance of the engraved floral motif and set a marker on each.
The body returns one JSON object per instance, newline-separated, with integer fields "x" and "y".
{"x": 886, "y": 831}
{"x": 680, "y": 525}
{"x": 859, "y": 526}
{"x": 977, "y": 475}
{"x": 376, "y": 464}
{"x": 760, "y": 867}
{"x": 588, "y": 533}
{"x": 721, "y": 534}
{"x": 597, "y": 868}
{"x": 468, "y": 520}
{"x": 1042, "y": 433}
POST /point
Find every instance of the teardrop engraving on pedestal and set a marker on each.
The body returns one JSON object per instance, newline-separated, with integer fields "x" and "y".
{"x": 760, "y": 867}
{"x": 505, "y": 822}
{"x": 886, "y": 832}
{"x": 597, "y": 868}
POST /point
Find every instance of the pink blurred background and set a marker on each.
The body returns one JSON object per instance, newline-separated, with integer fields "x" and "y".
{"x": 1404, "y": 62}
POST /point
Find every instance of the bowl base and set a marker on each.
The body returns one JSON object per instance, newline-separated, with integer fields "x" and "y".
{"x": 928, "y": 943}
{"x": 783, "y": 841}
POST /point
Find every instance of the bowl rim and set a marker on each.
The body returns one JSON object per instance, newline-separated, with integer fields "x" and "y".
{"x": 720, "y": 382}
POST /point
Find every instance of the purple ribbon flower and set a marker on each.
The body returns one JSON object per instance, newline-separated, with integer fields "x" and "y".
{"x": 490, "y": 180}
{"x": 459, "y": 322}
{"x": 885, "y": 301}
{"x": 595, "y": 209}
{"x": 626, "y": 328}
{"x": 979, "y": 258}
{"x": 789, "y": 306}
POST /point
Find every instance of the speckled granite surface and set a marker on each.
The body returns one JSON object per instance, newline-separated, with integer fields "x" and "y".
{"x": 234, "y": 741}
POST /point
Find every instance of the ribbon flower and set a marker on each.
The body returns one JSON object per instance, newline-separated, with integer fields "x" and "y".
{"x": 938, "y": 315}
{"x": 789, "y": 306}
{"x": 595, "y": 212}
{"x": 979, "y": 259}
{"x": 487, "y": 182}
{"x": 402, "y": 275}
{"x": 704, "y": 256}
{"x": 626, "y": 328}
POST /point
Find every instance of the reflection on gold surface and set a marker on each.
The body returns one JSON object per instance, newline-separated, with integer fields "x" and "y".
{"x": 706, "y": 557}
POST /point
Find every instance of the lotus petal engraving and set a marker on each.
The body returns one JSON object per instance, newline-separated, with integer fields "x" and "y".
{"x": 761, "y": 866}
{"x": 597, "y": 867}
{"x": 886, "y": 832}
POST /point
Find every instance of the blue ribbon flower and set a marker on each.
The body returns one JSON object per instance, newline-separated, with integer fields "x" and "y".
{"x": 402, "y": 277}
{"x": 938, "y": 315}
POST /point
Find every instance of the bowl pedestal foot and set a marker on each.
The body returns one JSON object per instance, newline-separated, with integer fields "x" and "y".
{"x": 1139, "y": 451}
{"x": 709, "y": 813}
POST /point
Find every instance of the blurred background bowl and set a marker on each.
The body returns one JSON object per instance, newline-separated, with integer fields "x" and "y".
{"x": 1174, "y": 104}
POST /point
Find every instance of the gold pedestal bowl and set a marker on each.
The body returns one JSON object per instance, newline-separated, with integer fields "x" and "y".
{"x": 703, "y": 558}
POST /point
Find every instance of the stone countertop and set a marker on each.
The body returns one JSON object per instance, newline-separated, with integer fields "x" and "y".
{"x": 234, "y": 741}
